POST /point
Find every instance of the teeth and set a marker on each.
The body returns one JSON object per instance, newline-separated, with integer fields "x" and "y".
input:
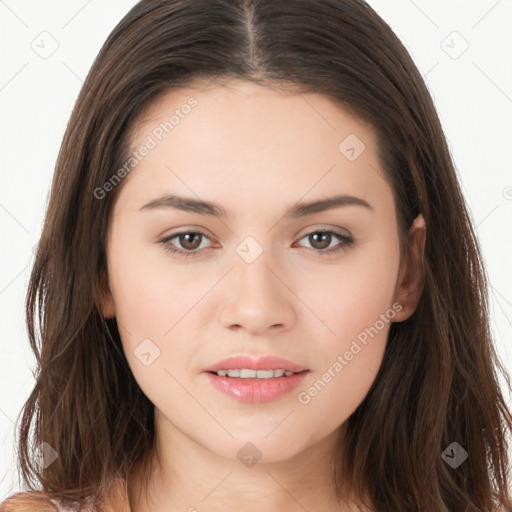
{"x": 245, "y": 373}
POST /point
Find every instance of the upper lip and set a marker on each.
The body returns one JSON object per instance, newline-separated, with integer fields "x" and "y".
{"x": 251, "y": 363}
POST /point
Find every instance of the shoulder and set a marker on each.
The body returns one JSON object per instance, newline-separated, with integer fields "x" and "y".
{"x": 36, "y": 501}
{"x": 27, "y": 501}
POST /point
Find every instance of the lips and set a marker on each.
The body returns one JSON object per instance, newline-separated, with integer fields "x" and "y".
{"x": 256, "y": 391}
{"x": 262, "y": 363}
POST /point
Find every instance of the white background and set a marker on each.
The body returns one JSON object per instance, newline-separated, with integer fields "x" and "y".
{"x": 473, "y": 94}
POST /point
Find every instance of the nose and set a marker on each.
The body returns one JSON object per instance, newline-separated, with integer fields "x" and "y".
{"x": 258, "y": 297}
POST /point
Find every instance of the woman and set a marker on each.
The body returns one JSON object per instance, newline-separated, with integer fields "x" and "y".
{"x": 258, "y": 285}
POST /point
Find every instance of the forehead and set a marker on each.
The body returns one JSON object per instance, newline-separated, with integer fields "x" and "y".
{"x": 240, "y": 136}
{"x": 251, "y": 109}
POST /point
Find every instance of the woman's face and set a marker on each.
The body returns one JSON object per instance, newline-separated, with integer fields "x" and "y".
{"x": 316, "y": 285}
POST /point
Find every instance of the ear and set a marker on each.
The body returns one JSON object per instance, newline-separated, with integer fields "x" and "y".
{"x": 106, "y": 298}
{"x": 410, "y": 276}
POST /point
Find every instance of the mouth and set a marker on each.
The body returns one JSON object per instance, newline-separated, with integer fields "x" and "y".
{"x": 247, "y": 367}
{"x": 256, "y": 380}
{"x": 248, "y": 373}
{"x": 256, "y": 386}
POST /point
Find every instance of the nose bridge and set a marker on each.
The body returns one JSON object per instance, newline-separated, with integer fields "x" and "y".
{"x": 252, "y": 268}
{"x": 260, "y": 299}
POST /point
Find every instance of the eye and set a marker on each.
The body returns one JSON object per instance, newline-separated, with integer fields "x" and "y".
{"x": 322, "y": 239}
{"x": 187, "y": 239}
{"x": 190, "y": 241}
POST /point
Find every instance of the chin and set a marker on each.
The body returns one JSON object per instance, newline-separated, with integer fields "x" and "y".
{"x": 253, "y": 447}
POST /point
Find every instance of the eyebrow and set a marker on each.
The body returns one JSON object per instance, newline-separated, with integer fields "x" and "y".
{"x": 299, "y": 210}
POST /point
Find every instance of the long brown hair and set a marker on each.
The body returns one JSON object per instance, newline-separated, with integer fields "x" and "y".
{"x": 438, "y": 383}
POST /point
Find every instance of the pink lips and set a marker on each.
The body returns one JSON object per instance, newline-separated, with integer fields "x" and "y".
{"x": 263, "y": 363}
{"x": 256, "y": 390}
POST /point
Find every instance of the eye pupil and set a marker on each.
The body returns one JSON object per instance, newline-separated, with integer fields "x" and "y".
{"x": 325, "y": 236}
{"x": 186, "y": 244}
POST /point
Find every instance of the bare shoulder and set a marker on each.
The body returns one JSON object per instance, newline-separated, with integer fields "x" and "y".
{"x": 36, "y": 501}
{"x": 27, "y": 501}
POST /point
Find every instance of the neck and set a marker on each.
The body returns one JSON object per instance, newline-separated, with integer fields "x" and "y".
{"x": 178, "y": 481}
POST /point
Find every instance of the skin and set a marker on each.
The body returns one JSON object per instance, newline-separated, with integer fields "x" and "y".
{"x": 256, "y": 152}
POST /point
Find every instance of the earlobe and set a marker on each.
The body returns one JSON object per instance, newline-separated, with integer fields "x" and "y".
{"x": 410, "y": 277}
{"x": 106, "y": 298}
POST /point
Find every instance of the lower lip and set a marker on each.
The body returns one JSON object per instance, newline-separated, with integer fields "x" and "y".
{"x": 256, "y": 390}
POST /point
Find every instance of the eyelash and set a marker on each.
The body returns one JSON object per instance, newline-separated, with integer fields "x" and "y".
{"x": 348, "y": 241}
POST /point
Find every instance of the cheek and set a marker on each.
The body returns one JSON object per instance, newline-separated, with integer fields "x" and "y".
{"x": 355, "y": 306}
{"x": 348, "y": 362}
{"x": 150, "y": 295}
{"x": 356, "y": 317}
{"x": 349, "y": 296}
{"x": 149, "y": 302}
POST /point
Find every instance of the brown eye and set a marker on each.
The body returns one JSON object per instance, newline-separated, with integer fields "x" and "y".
{"x": 321, "y": 240}
{"x": 190, "y": 241}
{"x": 187, "y": 243}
